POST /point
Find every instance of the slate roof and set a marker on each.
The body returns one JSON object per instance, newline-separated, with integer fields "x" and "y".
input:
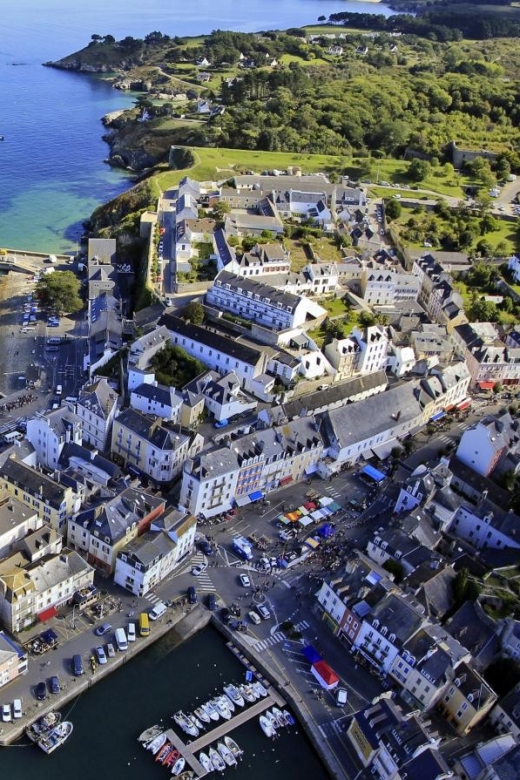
{"x": 113, "y": 519}
{"x": 34, "y": 482}
{"x": 476, "y": 631}
{"x": 223, "y": 344}
{"x": 157, "y": 393}
{"x": 245, "y": 284}
{"x": 147, "y": 428}
{"x": 508, "y": 767}
{"x": 399, "y": 616}
{"x": 99, "y": 398}
{"x": 338, "y": 392}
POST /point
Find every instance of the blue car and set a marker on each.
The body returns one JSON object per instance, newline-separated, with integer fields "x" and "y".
{"x": 221, "y": 423}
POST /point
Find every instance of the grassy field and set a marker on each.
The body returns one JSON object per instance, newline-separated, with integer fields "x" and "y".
{"x": 217, "y": 163}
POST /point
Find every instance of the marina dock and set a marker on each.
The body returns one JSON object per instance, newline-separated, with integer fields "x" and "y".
{"x": 216, "y": 734}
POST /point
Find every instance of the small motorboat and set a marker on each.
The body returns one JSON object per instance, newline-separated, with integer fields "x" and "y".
{"x": 273, "y": 720}
{"x": 226, "y": 754}
{"x": 162, "y": 753}
{"x": 247, "y": 693}
{"x": 171, "y": 758}
{"x": 260, "y": 690}
{"x": 205, "y": 762}
{"x": 267, "y": 728}
{"x": 56, "y": 737}
{"x": 278, "y": 714}
{"x": 196, "y": 721}
{"x": 289, "y": 720}
{"x": 222, "y": 705}
{"x": 234, "y": 695}
{"x": 186, "y": 723}
{"x": 148, "y": 734}
{"x": 201, "y": 715}
{"x": 178, "y": 766}
{"x": 210, "y": 709}
{"x": 230, "y": 743}
{"x": 188, "y": 775}
{"x": 216, "y": 760}
{"x": 230, "y": 703}
{"x": 156, "y": 744}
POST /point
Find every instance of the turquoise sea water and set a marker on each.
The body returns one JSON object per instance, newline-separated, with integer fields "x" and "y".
{"x": 52, "y": 173}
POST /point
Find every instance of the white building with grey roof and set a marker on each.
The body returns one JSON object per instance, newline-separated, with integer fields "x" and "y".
{"x": 97, "y": 406}
{"x": 261, "y": 303}
{"x": 158, "y": 400}
{"x": 49, "y": 433}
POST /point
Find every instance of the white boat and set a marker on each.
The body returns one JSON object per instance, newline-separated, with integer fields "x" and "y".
{"x": 186, "y": 723}
{"x": 260, "y": 690}
{"x": 216, "y": 760}
{"x": 230, "y": 703}
{"x": 156, "y": 744}
{"x": 273, "y": 720}
{"x": 148, "y": 734}
{"x": 230, "y": 743}
{"x": 247, "y": 693}
{"x": 43, "y": 725}
{"x": 178, "y": 766}
{"x": 278, "y": 714}
{"x": 222, "y": 705}
{"x": 201, "y": 714}
{"x": 226, "y": 754}
{"x": 56, "y": 737}
{"x": 234, "y": 694}
{"x": 206, "y": 763}
{"x": 266, "y": 726}
{"x": 210, "y": 709}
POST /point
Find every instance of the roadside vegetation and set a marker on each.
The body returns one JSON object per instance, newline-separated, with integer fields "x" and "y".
{"x": 60, "y": 292}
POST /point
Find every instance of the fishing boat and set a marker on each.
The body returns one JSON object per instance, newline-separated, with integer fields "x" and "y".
{"x": 266, "y": 726}
{"x": 288, "y": 718}
{"x": 226, "y": 754}
{"x": 223, "y": 708}
{"x": 56, "y": 737}
{"x": 201, "y": 715}
{"x": 156, "y": 744}
{"x": 260, "y": 690}
{"x": 186, "y": 723}
{"x": 205, "y": 762}
{"x": 148, "y": 734}
{"x": 247, "y": 693}
{"x": 178, "y": 766}
{"x": 210, "y": 709}
{"x": 216, "y": 760}
{"x": 234, "y": 695}
{"x": 43, "y": 725}
{"x": 230, "y": 743}
{"x": 278, "y": 714}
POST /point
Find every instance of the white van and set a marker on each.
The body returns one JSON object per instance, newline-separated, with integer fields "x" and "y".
{"x": 121, "y": 641}
{"x": 341, "y": 697}
{"x": 17, "y": 709}
{"x": 59, "y": 389}
{"x": 254, "y": 618}
{"x": 158, "y": 611}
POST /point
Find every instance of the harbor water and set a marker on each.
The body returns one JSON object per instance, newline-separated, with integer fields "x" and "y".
{"x": 158, "y": 682}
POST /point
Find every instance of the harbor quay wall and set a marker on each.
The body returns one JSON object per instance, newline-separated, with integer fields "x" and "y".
{"x": 261, "y": 663}
{"x": 176, "y": 629}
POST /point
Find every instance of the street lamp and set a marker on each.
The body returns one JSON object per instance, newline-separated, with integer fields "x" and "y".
{"x": 74, "y": 617}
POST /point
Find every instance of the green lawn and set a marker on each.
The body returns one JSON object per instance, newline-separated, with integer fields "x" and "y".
{"x": 217, "y": 163}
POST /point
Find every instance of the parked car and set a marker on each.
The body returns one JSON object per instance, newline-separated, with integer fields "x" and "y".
{"x": 263, "y": 611}
{"x": 103, "y": 629}
{"x": 111, "y": 652}
{"x": 17, "y": 709}
{"x": 41, "y": 691}
{"x": 130, "y": 633}
{"x": 207, "y": 548}
{"x": 225, "y": 614}
{"x": 244, "y": 580}
{"x": 221, "y": 423}
{"x": 101, "y": 655}
{"x": 192, "y": 595}
{"x": 54, "y": 684}
{"x": 6, "y": 713}
{"x": 212, "y": 602}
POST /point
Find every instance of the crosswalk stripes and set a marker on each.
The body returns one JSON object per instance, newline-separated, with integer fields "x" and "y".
{"x": 152, "y": 598}
{"x": 302, "y": 625}
{"x": 265, "y": 643}
{"x": 333, "y": 492}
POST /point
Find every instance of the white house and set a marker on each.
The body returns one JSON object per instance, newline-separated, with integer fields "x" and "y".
{"x": 158, "y": 400}
{"x": 96, "y": 408}
{"x": 482, "y": 446}
{"x": 49, "y": 433}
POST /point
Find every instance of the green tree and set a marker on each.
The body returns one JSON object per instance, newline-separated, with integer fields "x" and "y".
{"x": 60, "y": 291}
{"x": 418, "y": 170}
{"x": 395, "y": 568}
{"x": 503, "y": 674}
{"x": 392, "y": 208}
{"x": 194, "y": 312}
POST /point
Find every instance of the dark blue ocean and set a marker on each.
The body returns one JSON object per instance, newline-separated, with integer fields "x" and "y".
{"x": 52, "y": 174}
